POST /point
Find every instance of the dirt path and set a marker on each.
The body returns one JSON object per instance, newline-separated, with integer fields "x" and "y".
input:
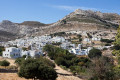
{"x": 65, "y": 75}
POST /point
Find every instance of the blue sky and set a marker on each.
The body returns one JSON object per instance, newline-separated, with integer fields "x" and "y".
{"x": 49, "y": 11}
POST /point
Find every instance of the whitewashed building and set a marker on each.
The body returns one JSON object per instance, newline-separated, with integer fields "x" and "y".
{"x": 58, "y": 39}
{"x": 87, "y": 40}
{"x": 96, "y": 39}
{"x": 65, "y": 45}
{"x": 32, "y": 53}
{"x": 12, "y": 52}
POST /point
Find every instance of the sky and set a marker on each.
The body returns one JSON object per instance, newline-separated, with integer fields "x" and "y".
{"x": 50, "y": 11}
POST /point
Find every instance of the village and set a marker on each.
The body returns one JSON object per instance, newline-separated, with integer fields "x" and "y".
{"x": 76, "y": 42}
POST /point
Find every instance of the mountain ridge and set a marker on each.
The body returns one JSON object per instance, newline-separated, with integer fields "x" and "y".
{"x": 78, "y": 20}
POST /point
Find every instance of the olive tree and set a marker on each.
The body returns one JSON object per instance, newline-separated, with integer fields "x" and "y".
{"x": 4, "y": 63}
{"x": 94, "y": 53}
{"x": 34, "y": 69}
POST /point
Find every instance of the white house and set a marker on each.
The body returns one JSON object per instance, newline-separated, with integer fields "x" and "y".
{"x": 32, "y": 53}
{"x": 79, "y": 51}
{"x": 96, "y": 39}
{"x": 12, "y": 52}
{"x": 87, "y": 40}
{"x": 65, "y": 45}
{"x": 58, "y": 39}
{"x": 75, "y": 51}
{"x": 84, "y": 52}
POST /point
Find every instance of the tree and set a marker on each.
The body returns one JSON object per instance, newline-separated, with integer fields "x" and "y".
{"x": 107, "y": 40}
{"x": 46, "y": 61}
{"x": 94, "y": 53}
{"x": 34, "y": 69}
{"x": 89, "y": 36}
{"x": 24, "y": 48}
{"x": 60, "y": 61}
{"x": 19, "y": 61}
{"x": 102, "y": 69}
{"x": 117, "y": 72}
{"x": 1, "y": 50}
{"x": 5, "y": 63}
{"x": 80, "y": 39}
{"x": 116, "y": 50}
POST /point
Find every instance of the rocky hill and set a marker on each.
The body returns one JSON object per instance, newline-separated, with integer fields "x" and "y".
{"x": 88, "y": 20}
{"x": 10, "y": 30}
{"x": 84, "y": 20}
{"x": 77, "y": 20}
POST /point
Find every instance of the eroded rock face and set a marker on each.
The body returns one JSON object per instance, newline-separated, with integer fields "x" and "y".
{"x": 8, "y": 26}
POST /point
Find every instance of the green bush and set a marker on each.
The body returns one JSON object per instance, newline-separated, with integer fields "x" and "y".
{"x": 1, "y": 50}
{"x": 35, "y": 69}
{"x": 94, "y": 53}
{"x": 107, "y": 40}
{"x": 46, "y": 62}
{"x": 89, "y": 36}
{"x": 19, "y": 61}
{"x": 107, "y": 44}
{"x": 60, "y": 61}
{"x": 104, "y": 48}
{"x": 4, "y": 63}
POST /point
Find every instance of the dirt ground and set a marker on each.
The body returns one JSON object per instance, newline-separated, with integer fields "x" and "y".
{"x": 10, "y": 60}
{"x": 10, "y": 76}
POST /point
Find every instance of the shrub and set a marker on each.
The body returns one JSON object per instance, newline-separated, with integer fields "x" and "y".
{"x": 19, "y": 61}
{"x": 34, "y": 69}
{"x": 107, "y": 44}
{"x": 102, "y": 69}
{"x": 46, "y": 62}
{"x": 104, "y": 48}
{"x": 107, "y": 40}
{"x": 1, "y": 50}
{"x": 94, "y": 53}
{"x": 61, "y": 61}
{"x": 4, "y": 63}
{"x": 90, "y": 36}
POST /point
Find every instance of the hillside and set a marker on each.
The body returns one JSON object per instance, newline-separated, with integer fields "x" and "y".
{"x": 88, "y": 20}
{"x": 32, "y": 23}
{"x": 84, "y": 20}
{"x": 78, "y": 20}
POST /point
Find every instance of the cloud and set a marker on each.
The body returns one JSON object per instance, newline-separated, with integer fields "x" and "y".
{"x": 72, "y": 8}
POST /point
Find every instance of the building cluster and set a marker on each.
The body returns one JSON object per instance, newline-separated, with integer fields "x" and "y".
{"x": 34, "y": 45}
